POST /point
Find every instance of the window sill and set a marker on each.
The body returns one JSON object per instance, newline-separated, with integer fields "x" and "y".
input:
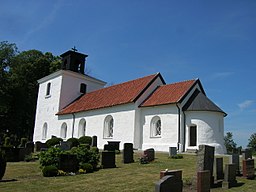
{"x": 47, "y": 96}
{"x": 155, "y": 137}
{"x": 107, "y": 137}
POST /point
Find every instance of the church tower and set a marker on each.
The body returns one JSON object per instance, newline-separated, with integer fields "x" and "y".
{"x": 58, "y": 90}
{"x": 73, "y": 61}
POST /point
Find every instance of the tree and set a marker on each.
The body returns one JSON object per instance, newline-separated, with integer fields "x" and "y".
{"x": 252, "y": 142}
{"x": 19, "y": 88}
{"x": 229, "y": 143}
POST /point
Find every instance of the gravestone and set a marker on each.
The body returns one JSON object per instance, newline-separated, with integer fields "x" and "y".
{"x": 205, "y": 160}
{"x": 114, "y": 145}
{"x": 219, "y": 168}
{"x": 248, "y": 169}
{"x": 203, "y": 181}
{"x": 149, "y": 154}
{"x": 64, "y": 146}
{"x": 128, "y": 153}
{"x": 39, "y": 146}
{"x": 229, "y": 176}
{"x": 30, "y": 147}
{"x": 172, "y": 151}
{"x": 169, "y": 183}
{"x": 246, "y": 154}
{"x": 234, "y": 159}
{"x": 68, "y": 163}
{"x": 94, "y": 141}
{"x": 176, "y": 173}
{"x": 108, "y": 159}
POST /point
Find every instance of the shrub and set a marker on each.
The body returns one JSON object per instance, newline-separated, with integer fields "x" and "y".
{"x": 73, "y": 142}
{"x": 50, "y": 157}
{"x": 2, "y": 164}
{"x": 7, "y": 142}
{"x": 50, "y": 171}
{"x": 53, "y": 141}
{"x": 87, "y": 167}
{"x": 23, "y": 142}
{"x": 85, "y": 140}
{"x": 177, "y": 156}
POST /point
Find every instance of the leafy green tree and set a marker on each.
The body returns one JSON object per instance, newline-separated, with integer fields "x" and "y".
{"x": 19, "y": 87}
{"x": 229, "y": 142}
{"x": 252, "y": 142}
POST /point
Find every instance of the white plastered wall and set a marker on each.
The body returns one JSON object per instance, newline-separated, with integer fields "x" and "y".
{"x": 169, "y": 129}
{"x": 210, "y": 129}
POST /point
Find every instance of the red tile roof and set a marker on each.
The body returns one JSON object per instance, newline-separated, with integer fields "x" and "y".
{"x": 110, "y": 96}
{"x": 167, "y": 94}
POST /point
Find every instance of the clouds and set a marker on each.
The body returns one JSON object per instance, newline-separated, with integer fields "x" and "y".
{"x": 246, "y": 104}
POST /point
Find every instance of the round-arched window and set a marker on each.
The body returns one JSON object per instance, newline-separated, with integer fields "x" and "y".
{"x": 82, "y": 128}
{"x": 108, "y": 127}
{"x": 155, "y": 127}
{"x": 63, "y": 131}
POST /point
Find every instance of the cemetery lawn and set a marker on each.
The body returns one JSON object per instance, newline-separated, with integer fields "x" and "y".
{"x": 134, "y": 177}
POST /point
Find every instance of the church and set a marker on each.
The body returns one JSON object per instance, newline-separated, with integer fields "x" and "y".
{"x": 146, "y": 111}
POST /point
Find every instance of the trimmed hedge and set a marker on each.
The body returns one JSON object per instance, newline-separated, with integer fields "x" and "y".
{"x": 50, "y": 171}
{"x": 73, "y": 142}
{"x": 85, "y": 140}
{"x": 53, "y": 141}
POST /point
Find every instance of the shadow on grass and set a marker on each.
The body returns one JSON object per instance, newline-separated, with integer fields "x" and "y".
{"x": 8, "y": 180}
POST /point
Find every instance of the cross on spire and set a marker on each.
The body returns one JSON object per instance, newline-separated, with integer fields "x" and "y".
{"x": 74, "y": 49}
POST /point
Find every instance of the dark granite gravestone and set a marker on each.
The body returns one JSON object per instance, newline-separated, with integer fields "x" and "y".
{"x": 205, "y": 160}
{"x": 68, "y": 163}
{"x": 176, "y": 173}
{"x": 128, "y": 153}
{"x": 149, "y": 154}
{"x": 172, "y": 151}
{"x": 64, "y": 146}
{"x": 11, "y": 154}
{"x": 219, "y": 168}
{"x": 114, "y": 145}
{"x": 108, "y": 159}
{"x": 30, "y": 147}
{"x": 39, "y": 146}
{"x": 169, "y": 183}
{"x": 94, "y": 141}
{"x": 203, "y": 181}
{"x": 248, "y": 169}
{"x": 246, "y": 154}
{"x": 234, "y": 159}
{"x": 229, "y": 176}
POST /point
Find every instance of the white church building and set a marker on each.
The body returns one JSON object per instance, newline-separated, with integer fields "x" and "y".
{"x": 146, "y": 111}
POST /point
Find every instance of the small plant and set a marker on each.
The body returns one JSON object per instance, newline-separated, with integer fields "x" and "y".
{"x": 81, "y": 171}
{"x": 144, "y": 159}
{"x": 2, "y": 164}
{"x": 62, "y": 173}
{"x": 177, "y": 156}
{"x": 7, "y": 142}
{"x": 87, "y": 167}
{"x": 28, "y": 158}
{"x": 85, "y": 140}
{"x": 50, "y": 171}
{"x": 23, "y": 142}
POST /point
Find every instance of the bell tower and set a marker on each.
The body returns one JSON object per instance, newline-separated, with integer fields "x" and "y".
{"x": 73, "y": 61}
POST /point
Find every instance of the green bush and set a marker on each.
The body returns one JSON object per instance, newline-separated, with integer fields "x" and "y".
{"x": 7, "y": 142}
{"x": 50, "y": 171}
{"x": 2, "y": 164}
{"x": 50, "y": 157}
{"x": 53, "y": 141}
{"x": 23, "y": 142}
{"x": 177, "y": 156}
{"x": 87, "y": 167}
{"x": 73, "y": 142}
{"x": 85, "y": 140}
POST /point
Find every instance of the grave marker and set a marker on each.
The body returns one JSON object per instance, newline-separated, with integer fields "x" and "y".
{"x": 229, "y": 176}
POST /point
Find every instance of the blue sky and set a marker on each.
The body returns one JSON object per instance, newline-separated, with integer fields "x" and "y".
{"x": 214, "y": 41}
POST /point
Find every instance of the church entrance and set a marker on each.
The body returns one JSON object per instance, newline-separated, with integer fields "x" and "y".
{"x": 193, "y": 136}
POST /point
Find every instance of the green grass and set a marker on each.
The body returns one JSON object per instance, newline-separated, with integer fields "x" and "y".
{"x": 127, "y": 177}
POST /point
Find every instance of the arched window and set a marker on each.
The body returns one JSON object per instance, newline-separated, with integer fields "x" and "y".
{"x": 192, "y": 135}
{"x": 44, "y": 132}
{"x": 63, "y": 131}
{"x": 155, "y": 127}
{"x": 48, "y": 89}
{"x": 81, "y": 128}
{"x": 108, "y": 127}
